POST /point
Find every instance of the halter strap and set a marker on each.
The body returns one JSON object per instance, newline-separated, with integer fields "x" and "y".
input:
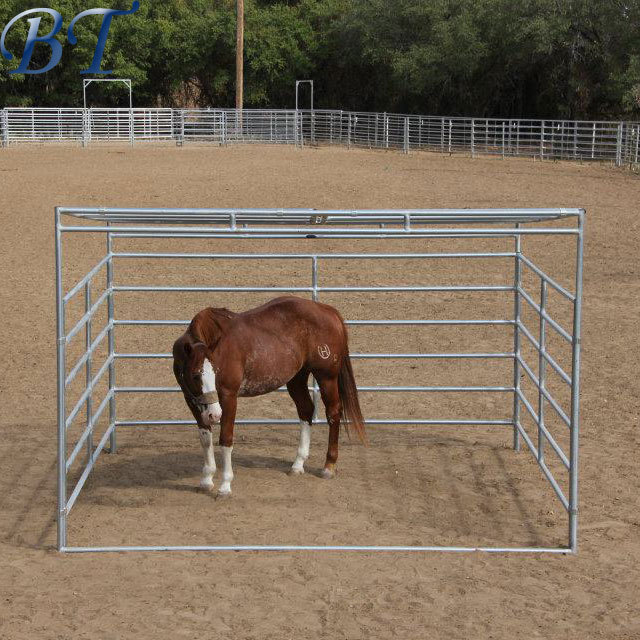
{"x": 202, "y": 400}
{"x": 207, "y": 398}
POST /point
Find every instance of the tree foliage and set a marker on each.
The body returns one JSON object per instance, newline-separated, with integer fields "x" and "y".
{"x": 531, "y": 58}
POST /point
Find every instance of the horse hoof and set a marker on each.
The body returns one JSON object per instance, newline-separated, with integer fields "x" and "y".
{"x": 328, "y": 474}
{"x": 223, "y": 495}
{"x": 296, "y": 471}
{"x": 206, "y": 485}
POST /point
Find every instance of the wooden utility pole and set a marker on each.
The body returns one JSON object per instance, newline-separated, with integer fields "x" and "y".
{"x": 239, "y": 51}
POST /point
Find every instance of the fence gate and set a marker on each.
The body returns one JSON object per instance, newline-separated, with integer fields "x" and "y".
{"x": 394, "y": 275}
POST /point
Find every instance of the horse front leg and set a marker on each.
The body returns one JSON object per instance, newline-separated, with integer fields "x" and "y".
{"x": 209, "y": 468}
{"x": 227, "y": 422}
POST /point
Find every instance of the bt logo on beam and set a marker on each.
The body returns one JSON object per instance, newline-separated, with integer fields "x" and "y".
{"x": 56, "y": 47}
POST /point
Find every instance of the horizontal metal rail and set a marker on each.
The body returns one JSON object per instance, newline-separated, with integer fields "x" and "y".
{"x": 372, "y": 323}
{"x": 319, "y": 289}
{"x": 355, "y": 356}
{"x": 329, "y": 548}
{"x": 375, "y": 389}
{"x": 284, "y": 421}
{"x": 308, "y": 256}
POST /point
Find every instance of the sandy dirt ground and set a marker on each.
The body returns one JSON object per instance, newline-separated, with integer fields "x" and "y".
{"x": 462, "y": 486}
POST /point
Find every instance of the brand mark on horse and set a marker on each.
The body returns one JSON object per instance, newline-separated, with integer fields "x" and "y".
{"x": 324, "y": 351}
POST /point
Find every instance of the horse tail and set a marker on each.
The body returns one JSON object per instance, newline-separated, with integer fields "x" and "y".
{"x": 351, "y": 413}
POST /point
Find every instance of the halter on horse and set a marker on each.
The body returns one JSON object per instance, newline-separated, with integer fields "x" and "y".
{"x": 225, "y": 355}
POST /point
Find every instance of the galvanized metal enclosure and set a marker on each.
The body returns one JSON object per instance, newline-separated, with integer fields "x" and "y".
{"x": 615, "y": 142}
{"x": 541, "y": 388}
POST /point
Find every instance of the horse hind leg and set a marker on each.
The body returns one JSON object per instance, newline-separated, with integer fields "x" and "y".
{"x": 331, "y": 399}
{"x": 299, "y": 393}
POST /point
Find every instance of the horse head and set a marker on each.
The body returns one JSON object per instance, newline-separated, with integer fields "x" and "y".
{"x": 193, "y": 369}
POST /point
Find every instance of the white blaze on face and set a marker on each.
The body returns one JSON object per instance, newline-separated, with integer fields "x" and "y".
{"x": 212, "y": 412}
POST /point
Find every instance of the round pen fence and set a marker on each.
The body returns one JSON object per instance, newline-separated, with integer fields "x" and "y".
{"x": 616, "y": 142}
{"x": 106, "y": 386}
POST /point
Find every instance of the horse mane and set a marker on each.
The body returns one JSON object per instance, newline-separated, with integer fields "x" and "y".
{"x": 210, "y": 324}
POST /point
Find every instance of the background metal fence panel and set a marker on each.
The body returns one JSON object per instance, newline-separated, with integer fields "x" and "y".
{"x": 99, "y": 288}
{"x": 616, "y": 142}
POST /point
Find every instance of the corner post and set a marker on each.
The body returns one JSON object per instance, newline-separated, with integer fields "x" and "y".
{"x": 575, "y": 393}
{"x": 517, "y": 282}
{"x": 61, "y": 370}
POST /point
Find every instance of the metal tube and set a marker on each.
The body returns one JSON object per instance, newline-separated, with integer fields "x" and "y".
{"x": 355, "y": 356}
{"x": 160, "y": 289}
{"x": 111, "y": 346}
{"x": 378, "y": 421}
{"x": 89, "y": 403}
{"x": 334, "y": 548}
{"x": 541, "y": 370}
{"x": 575, "y": 393}
{"x": 348, "y": 322}
{"x": 323, "y": 256}
{"x": 517, "y": 281}
{"x": 381, "y": 389}
{"x": 285, "y": 232}
{"x": 61, "y": 518}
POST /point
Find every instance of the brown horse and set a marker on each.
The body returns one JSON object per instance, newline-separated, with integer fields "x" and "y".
{"x": 223, "y": 355}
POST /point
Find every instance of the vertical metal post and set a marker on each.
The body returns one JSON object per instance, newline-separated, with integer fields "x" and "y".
{"x": 61, "y": 370}
{"x": 619, "y": 145}
{"x": 87, "y": 342}
{"x": 385, "y": 118}
{"x": 575, "y": 393}
{"x": 503, "y": 140}
{"x": 405, "y": 146}
{"x": 542, "y": 367}
{"x": 111, "y": 344}
{"x": 314, "y": 295}
{"x": 442, "y": 135}
{"x": 473, "y": 142}
{"x": 593, "y": 142}
{"x": 224, "y": 127}
{"x": 450, "y": 133}
{"x": 542, "y": 140}
{"x": 517, "y": 281}
{"x": 349, "y": 131}
{"x": 5, "y": 127}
